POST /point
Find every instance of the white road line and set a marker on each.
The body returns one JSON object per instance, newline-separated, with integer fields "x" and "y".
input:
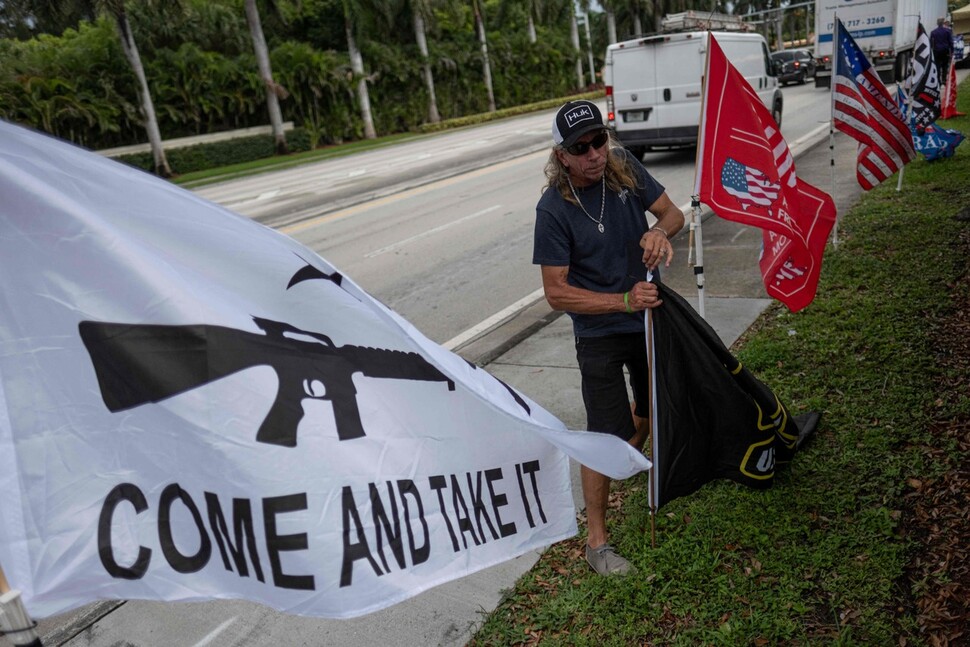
{"x": 425, "y": 234}
{"x": 492, "y": 321}
{"x": 215, "y": 632}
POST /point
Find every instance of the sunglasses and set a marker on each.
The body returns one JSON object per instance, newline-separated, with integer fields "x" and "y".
{"x": 582, "y": 147}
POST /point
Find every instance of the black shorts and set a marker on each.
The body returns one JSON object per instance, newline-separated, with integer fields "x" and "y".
{"x": 601, "y": 363}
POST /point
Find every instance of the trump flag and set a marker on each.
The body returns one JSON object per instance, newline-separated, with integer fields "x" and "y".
{"x": 864, "y": 109}
{"x": 194, "y": 406}
{"x": 746, "y": 173}
{"x": 923, "y": 82}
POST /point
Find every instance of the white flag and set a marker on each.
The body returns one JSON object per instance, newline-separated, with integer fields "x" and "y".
{"x": 194, "y": 406}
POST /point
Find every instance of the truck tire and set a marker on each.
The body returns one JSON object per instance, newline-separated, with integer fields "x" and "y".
{"x": 823, "y": 81}
{"x": 776, "y": 113}
{"x": 637, "y": 151}
{"x": 901, "y": 68}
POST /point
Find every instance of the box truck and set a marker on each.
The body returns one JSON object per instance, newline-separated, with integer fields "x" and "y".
{"x": 653, "y": 83}
{"x": 885, "y": 30}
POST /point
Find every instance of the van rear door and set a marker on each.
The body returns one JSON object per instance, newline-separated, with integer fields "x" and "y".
{"x": 634, "y": 86}
{"x": 679, "y": 68}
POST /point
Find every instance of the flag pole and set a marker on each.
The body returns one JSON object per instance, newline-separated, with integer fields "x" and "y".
{"x": 14, "y": 621}
{"x": 652, "y": 436}
{"x": 909, "y": 129}
{"x": 695, "y": 225}
{"x": 835, "y": 52}
{"x": 696, "y": 231}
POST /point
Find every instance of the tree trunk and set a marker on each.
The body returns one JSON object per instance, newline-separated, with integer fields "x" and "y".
{"x": 589, "y": 49}
{"x": 574, "y": 34}
{"x": 148, "y": 108}
{"x": 419, "y": 35}
{"x": 611, "y": 26}
{"x": 266, "y": 74}
{"x": 487, "y": 67}
{"x": 532, "y": 29}
{"x": 357, "y": 66}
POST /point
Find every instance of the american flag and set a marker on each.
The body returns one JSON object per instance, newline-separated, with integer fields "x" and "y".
{"x": 863, "y": 109}
{"x": 748, "y": 184}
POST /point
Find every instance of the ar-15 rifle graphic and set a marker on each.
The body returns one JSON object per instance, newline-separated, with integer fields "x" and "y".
{"x": 137, "y": 364}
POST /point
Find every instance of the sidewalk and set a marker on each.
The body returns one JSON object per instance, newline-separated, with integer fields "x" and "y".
{"x": 532, "y": 351}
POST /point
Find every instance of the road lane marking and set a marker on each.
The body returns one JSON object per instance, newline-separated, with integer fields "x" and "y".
{"x": 425, "y": 234}
{"x": 215, "y": 632}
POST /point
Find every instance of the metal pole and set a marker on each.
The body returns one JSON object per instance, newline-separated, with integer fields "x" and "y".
{"x": 652, "y": 437}
{"x": 695, "y": 232}
{"x": 14, "y": 621}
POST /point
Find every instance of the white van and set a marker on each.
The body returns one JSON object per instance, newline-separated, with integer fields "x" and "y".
{"x": 653, "y": 84}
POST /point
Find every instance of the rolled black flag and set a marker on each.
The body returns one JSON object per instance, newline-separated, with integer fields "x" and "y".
{"x": 714, "y": 418}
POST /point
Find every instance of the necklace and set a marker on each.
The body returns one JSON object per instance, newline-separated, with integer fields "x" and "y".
{"x": 599, "y": 223}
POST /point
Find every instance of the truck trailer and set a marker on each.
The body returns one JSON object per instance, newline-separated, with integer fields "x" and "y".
{"x": 885, "y": 30}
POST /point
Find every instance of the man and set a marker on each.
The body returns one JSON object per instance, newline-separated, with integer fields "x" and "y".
{"x": 941, "y": 41}
{"x": 594, "y": 246}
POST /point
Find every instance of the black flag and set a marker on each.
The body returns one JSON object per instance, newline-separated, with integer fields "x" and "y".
{"x": 714, "y": 418}
{"x": 924, "y": 84}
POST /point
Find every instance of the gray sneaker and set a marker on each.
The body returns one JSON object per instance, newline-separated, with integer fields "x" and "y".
{"x": 605, "y": 561}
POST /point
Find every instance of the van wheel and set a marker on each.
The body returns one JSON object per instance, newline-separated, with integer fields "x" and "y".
{"x": 776, "y": 114}
{"x": 637, "y": 151}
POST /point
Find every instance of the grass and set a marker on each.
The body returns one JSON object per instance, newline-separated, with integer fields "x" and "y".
{"x": 820, "y": 558}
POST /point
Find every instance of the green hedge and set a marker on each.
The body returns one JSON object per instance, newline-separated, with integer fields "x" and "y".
{"x": 201, "y": 157}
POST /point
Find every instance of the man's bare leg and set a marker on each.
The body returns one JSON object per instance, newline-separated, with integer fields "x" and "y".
{"x": 596, "y": 488}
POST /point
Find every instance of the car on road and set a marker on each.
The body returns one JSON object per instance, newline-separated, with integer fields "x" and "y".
{"x": 794, "y": 65}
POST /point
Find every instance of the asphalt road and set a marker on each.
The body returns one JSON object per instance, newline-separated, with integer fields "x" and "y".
{"x": 440, "y": 228}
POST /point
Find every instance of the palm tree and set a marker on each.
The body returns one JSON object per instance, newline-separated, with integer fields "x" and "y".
{"x": 117, "y": 10}
{"x": 486, "y": 66}
{"x": 357, "y": 67}
{"x": 610, "y": 21}
{"x": 530, "y": 11}
{"x": 574, "y": 36}
{"x": 420, "y": 9}
{"x": 273, "y": 89}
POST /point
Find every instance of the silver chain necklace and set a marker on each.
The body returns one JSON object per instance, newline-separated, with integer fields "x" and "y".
{"x": 599, "y": 223}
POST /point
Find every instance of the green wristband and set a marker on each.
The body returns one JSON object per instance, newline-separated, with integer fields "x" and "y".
{"x": 626, "y": 301}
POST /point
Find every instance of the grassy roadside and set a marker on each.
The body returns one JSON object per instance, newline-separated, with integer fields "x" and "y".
{"x": 858, "y": 543}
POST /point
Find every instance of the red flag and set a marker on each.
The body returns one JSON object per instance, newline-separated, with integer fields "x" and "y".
{"x": 950, "y": 95}
{"x": 747, "y": 174}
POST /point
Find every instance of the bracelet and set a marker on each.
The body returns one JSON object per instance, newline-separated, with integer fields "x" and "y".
{"x": 657, "y": 228}
{"x": 626, "y": 301}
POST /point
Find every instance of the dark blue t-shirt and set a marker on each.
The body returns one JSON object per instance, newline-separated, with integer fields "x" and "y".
{"x": 602, "y": 262}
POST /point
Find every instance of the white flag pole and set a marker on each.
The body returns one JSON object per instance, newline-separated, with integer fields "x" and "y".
{"x": 835, "y": 53}
{"x": 696, "y": 234}
{"x": 652, "y": 437}
{"x": 14, "y": 621}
